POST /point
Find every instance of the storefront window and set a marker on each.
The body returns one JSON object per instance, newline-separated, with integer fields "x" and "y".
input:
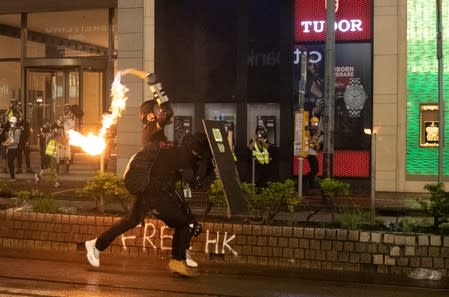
{"x": 10, "y": 35}
{"x": 69, "y": 34}
{"x": 9, "y": 83}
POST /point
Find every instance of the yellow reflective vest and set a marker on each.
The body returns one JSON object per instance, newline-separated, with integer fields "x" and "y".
{"x": 52, "y": 148}
{"x": 261, "y": 153}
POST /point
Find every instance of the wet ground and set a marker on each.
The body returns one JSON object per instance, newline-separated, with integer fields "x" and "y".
{"x": 44, "y": 273}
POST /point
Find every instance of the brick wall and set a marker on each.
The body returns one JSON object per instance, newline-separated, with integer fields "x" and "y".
{"x": 306, "y": 248}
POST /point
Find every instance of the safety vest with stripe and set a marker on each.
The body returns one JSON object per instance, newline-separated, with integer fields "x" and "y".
{"x": 261, "y": 155}
{"x": 52, "y": 148}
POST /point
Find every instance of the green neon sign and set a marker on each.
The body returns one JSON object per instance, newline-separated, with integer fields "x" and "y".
{"x": 422, "y": 82}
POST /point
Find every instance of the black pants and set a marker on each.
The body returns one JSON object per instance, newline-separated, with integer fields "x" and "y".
{"x": 23, "y": 150}
{"x": 12, "y": 155}
{"x": 310, "y": 177}
{"x": 166, "y": 207}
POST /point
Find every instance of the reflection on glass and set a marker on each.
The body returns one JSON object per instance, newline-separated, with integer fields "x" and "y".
{"x": 88, "y": 28}
{"x": 9, "y": 82}
{"x": 47, "y": 91}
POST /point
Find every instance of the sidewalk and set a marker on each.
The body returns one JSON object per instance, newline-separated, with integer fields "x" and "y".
{"x": 390, "y": 205}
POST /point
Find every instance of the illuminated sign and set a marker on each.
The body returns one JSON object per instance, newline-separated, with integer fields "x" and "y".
{"x": 352, "y": 20}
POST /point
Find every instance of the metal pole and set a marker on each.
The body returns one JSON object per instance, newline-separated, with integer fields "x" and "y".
{"x": 373, "y": 176}
{"x": 253, "y": 175}
{"x": 102, "y": 163}
{"x": 301, "y": 92}
{"x": 329, "y": 90}
{"x": 440, "y": 92}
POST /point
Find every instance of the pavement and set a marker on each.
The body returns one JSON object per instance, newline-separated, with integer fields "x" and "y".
{"x": 389, "y": 206}
{"x": 33, "y": 272}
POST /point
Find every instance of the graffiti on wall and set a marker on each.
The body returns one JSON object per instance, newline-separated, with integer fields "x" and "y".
{"x": 217, "y": 243}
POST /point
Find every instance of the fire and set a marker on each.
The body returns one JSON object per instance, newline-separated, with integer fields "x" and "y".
{"x": 95, "y": 144}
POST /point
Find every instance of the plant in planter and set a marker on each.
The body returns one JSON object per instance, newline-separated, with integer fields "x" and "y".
{"x": 331, "y": 189}
{"x": 38, "y": 201}
{"x": 437, "y": 204}
{"x": 105, "y": 186}
{"x": 269, "y": 201}
{"x": 352, "y": 218}
{"x": 265, "y": 203}
{"x": 216, "y": 195}
{"x": 5, "y": 190}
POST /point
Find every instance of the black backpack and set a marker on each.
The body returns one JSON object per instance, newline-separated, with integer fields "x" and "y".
{"x": 138, "y": 170}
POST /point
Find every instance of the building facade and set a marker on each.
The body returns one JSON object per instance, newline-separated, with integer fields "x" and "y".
{"x": 238, "y": 61}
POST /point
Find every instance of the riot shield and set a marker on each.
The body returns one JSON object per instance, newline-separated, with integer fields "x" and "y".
{"x": 225, "y": 165}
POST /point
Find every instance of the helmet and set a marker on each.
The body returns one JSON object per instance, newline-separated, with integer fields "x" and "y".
{"x": 261, "y": 132}
{"x": 145, "y": 108}
{"x": 13, "y": 120}
{"x": 314, "y": 121}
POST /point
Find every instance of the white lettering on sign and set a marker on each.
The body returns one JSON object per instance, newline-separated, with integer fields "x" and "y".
{"x": 344, "y": 25}
{"x": 313, "y": 56}
{"x": 344, "y": 71}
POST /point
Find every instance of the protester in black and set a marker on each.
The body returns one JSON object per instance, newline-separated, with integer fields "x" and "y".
{"x": 160, "y": 195}
{"x": 24, "y": 147}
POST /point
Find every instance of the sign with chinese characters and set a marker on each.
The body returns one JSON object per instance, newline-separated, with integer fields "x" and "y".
{"x": 352, "y": 20}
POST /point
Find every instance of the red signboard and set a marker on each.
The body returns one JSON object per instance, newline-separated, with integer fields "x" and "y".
{"x": 353, "y": 20}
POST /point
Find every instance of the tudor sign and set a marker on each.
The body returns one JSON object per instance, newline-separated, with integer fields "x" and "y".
{"x": 353, "y": 20}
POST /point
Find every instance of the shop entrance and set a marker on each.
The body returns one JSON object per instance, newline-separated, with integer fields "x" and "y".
{"x": 48, "y": 90}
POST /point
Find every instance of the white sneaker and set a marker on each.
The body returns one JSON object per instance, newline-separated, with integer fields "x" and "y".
{"x": 93, "y": 254}
{"x": 189, "y": 261}
{"x": 37, "y": 178}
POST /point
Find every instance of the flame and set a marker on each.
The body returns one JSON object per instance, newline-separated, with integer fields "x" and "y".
{"x": 95, "y": 144}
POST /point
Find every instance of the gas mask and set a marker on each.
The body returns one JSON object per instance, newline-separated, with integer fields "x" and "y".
{"x": 13, "y": 122}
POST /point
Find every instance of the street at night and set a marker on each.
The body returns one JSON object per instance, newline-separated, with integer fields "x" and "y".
{"x": 45, "y": 273}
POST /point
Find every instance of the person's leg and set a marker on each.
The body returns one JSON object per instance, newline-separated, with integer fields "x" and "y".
{"x": 95, "y": 246}
{"x": 313, "y": 161}
{"x": 53, "y": 167}
{"x": 12, "y": 154}
{"x": 19, "y": 158}
{"x": 174, "y": 214}
{"x": 27, "y": 152}
{"x": 168, "y": 209}
{"x": 136, "y": 215}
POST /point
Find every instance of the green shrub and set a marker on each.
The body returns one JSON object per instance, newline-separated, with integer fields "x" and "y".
{"x": 265, "y": 203}
{"x": 216, "y": 195}
{"x": 31, "y": 195}
{"x": 39, "y": 201}
{"x": 437, "y": 204}
{"x": 47, "y": 205}
{"x": 352, "y": 219}
{"x": 5, "y": 190}
{"x": 332, "y": 188}
{"x": 273, "y": 198}
{"x": 105, "y": 187}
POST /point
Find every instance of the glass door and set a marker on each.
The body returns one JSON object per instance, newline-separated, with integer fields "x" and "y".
{"x": 47, "y": 91}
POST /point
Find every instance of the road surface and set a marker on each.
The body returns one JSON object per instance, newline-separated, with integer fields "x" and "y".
{"x": 40, "y": 273}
